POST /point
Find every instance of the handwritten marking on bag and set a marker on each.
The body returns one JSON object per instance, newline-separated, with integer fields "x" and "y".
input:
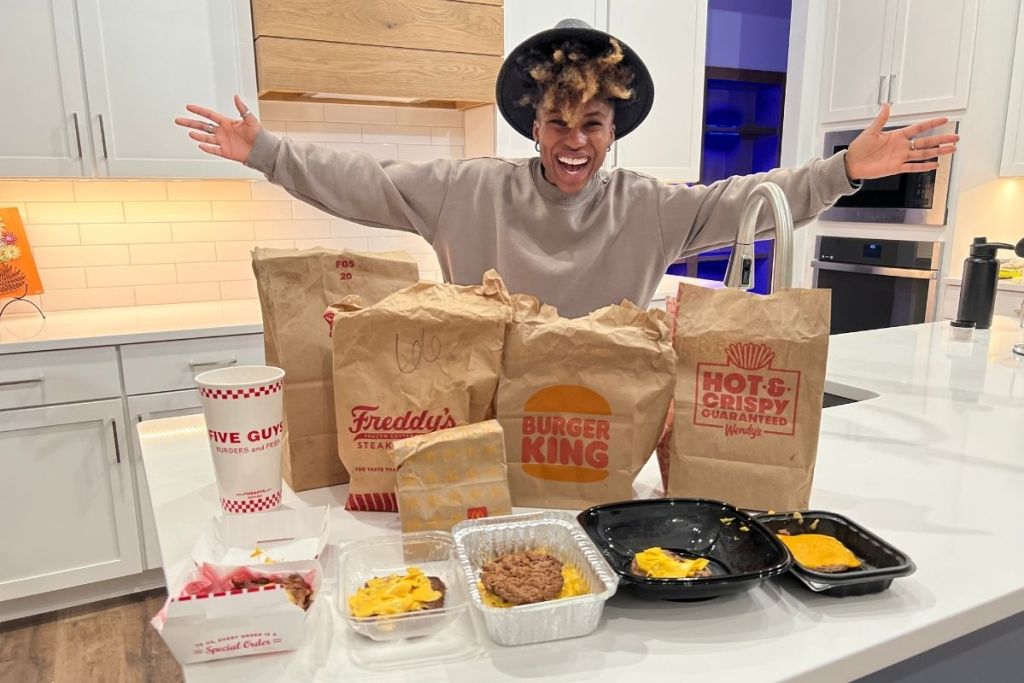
{"x": 562, "y": 440}
{"x": 418, "y": 353}
{"x": 745, "y": 395}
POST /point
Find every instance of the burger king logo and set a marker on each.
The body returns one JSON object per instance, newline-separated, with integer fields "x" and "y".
{"x": 566, "y": 430}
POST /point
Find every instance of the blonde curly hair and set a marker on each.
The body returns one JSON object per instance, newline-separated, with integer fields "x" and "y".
{"x": 570, "y": 75}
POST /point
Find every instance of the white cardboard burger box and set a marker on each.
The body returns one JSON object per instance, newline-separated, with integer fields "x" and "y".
{"x": 239, "y": 622}
{"x": 264, "y": 538}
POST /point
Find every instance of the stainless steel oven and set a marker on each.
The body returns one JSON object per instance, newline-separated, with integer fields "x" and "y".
{"x": 877, "y": 283}
{"x": 915, "y": 198}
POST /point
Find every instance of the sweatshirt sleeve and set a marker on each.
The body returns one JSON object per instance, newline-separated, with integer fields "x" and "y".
{"x": 698, "y": 218}
{"x": 399, "y": 195}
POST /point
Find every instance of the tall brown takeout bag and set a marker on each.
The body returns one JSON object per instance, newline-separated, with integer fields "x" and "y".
{"x": 750, "y": 378}
{"x": 295, "y": 286}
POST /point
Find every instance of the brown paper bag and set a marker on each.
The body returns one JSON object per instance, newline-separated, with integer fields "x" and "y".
{"x": 751, "y": 374}
{"x": 423, "y": 359}
{"x": 582, "y": 403}
{"x": 448, "y": 476}
{"x": 294, "y": 288}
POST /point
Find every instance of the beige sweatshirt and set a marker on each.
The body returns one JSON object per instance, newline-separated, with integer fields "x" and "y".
{"x": 611, "y": 241}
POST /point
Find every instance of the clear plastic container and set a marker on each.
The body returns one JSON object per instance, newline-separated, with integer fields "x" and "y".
{"x": 431, "y": 551}
{"x": 479, "y": 541}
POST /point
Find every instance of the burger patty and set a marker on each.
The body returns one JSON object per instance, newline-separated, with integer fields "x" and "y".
{"x": 702, "y": 574}
{"x": 300, "y": 592}
{"x": 438, "y": 585}
{"x": 831, "y": 568}
{"x": 523, "y": 578}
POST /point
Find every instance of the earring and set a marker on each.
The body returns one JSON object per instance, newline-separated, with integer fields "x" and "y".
{"x": 536, "y": 146}
{"x": 608, "y": 148}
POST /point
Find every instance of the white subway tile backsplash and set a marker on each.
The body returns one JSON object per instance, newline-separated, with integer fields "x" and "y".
{"x": 125, "y": 233}
{"x": 304, "y": 211}
{"x": 343, "y": 228}
{"x": 240, "y": 251}
{"x": 415, "y": 116}
{"x": 428, "y": 152}
{"x": 52, "y": 235}
{"x": 408, "y": 135}
{"x": 75, "y": 212}
{"x": 120, "y": 190}
{"x": 118, "y": 276}
{"x": 319, "y": 131}
{"x": 207, "y": 190}
{"x": 212, "y": 231}
{"x": 99, "y": 297}
{"x": 238, "y": 289}
{"x": 261, "y": 190}
{"x": 181, "y": 252}
{"x": 360, "y": 113}
{"x": 162, "y": 212}
{"x": 275, "y": 127}
{"x": 447, "y": 136}
{"x": 353, "y": 243}
{"x": 215, "y": 271}
{"x": 291, "y": 111}
{"x": 397, "y": 241}
{"x": 62, "y": 278}
{"x": 378, "y": 152}
{"x": 177, "y": 294}
{"x": 36, "y": 191}
{"x": 70, "y": 257}
{"x": 250, "y": 210}
{"x": 268, "y": 230}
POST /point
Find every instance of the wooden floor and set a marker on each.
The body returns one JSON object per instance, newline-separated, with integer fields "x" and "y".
{"x": 105, "y": 642}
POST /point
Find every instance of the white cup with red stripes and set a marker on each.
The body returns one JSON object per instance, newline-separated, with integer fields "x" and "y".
{"x": 245, "y": 425}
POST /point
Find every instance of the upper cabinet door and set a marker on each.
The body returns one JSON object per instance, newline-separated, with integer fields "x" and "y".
{"x": 858, "y": 56}
{"x": 670, "y": 36}
{"x": 523, "y": 18}
{"x": 932, "y": 55}
{"x": 144, "y": 60}
{"x": 43, "y": 118}
{"x": 1013, "y": 140}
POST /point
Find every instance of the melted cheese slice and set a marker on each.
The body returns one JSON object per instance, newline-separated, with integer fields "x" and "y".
{"x": 819, "y": 550}
{"x": 395, "y": 594}
{"x": 658, "y": 564}
{"x": 573, "y": 585}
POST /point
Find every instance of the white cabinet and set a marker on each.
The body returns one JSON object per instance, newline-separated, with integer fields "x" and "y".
{"x": 670, "y": 36}
{"x": 1013, "y": 140}
{"x": 154, "y": 407}
{"x": 1007, "y": 302}
{"x": 99, "y": 83}
{"x": 915, "y": 54}
{"x": 68, "y": 502}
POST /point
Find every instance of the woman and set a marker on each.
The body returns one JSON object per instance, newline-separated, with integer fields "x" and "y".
{"x": 558, "y": 225}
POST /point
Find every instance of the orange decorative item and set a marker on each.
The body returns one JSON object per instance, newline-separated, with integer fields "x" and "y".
{"x": 18, "y": 275}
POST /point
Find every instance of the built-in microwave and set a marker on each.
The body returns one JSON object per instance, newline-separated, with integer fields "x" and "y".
{"x": 915, "y": 198}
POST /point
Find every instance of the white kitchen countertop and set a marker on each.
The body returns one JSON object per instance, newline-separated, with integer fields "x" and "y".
{"x": 934, "y": 465}
{"x": 127, "y": 325}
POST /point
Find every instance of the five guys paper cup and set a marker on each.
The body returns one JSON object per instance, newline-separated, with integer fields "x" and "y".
{"x": 244, "y": 422}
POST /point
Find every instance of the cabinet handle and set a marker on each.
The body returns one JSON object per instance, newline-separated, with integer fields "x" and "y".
{"x": 103, "y": 137}
{"x": 210, "y": 363}
{"x": 117, "y": 446}
{"x": 881, "y": 89}
{"x": 892, "y": 84}
{"x": 16, "y": 382}
{"x": 78, "y": 134}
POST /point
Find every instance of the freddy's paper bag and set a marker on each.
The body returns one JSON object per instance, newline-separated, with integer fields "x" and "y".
{"x": 582, "y": 403}
{"x": 423, "y": 359}
{"x": 751, "y": 373}
{"x": 294, "y": 287}
{"x": 452, "y": 475}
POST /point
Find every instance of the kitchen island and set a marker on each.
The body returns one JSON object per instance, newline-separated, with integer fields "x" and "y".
{"x": 934, "y": 464}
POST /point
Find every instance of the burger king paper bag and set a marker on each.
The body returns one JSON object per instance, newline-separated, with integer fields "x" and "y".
{"x": 423, "y": 359}
{"x": 294, "y": 288}
{"x": 582, "y": 403}
{"x": 751, "y": 373}
{"x": 452, "y": 475}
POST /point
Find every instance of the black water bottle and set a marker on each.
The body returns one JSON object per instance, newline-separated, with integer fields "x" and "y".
{"x": 980, "y": 278}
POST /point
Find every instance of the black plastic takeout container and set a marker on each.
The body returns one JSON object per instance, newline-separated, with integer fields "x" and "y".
{"x": 881, "y": 562}
{"x": 692, "y": 527}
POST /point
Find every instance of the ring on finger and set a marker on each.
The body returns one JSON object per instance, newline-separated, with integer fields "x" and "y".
{"x": 913, "y": 145}
{"x": 210, "y": 128}
{"x": 246, "y": 113}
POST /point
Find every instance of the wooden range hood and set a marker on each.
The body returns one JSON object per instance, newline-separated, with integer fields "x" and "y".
{"x": 438, "y": 53}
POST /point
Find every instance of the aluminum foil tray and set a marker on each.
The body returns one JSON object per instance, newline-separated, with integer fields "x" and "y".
{"x": 479, "y": 541}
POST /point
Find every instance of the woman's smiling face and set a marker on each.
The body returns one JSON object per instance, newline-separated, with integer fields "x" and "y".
{"x": 571, "y": 155}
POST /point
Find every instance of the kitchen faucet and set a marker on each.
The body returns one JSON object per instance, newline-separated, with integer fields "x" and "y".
{"x": 740, "y": 272}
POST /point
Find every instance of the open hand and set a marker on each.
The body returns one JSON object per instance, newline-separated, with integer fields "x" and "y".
{"x": 220, "y": 135}
{"x": 876, "y": 153}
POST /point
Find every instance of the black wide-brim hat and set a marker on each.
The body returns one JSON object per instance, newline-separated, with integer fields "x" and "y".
{"x": 514, "y": 81}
